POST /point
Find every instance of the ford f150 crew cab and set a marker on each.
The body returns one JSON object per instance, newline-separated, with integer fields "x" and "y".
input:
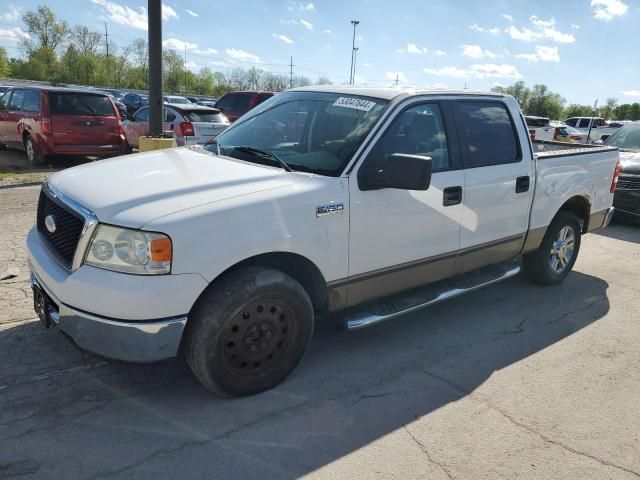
{"x": 371, "y": 202}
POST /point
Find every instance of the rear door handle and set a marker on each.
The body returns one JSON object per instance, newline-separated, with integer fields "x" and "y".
{"x": 522, "y": 184}
{"x": 451, "y": 196}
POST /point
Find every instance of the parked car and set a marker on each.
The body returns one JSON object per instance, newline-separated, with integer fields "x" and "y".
{"x": 176, "y": 100}
{"x": 627, "y": 195}
{"x": 576, "y": 135}
{"x": 190, "y": 124}
{"x": 373, "y": 202}
{"x": 542, "y": 129}
{"x": 4, "y": 88}
{"x": 122, "y": 108}
{"x": 117, "y": 94}
{"x": 236, "y": 104}
{"x": 134, "y": 101}
{"x": 599, "y": 127}
{"x": 207, "y": 103}
{"x": 45, "y": 121}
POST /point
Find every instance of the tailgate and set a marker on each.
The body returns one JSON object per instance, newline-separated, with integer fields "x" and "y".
{"x": 208, "y": 130}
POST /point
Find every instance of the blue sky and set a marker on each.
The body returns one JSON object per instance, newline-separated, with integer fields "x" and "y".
{"x": 583, "y": 49}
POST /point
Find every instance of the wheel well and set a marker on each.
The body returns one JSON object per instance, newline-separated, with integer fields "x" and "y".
{"x": 580, "y": 207}
{"x": 303, "y": 270}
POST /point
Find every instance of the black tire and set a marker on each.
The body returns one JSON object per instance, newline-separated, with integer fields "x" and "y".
{"x": 538, "y": 265}
{"x": 248, "y": 331}
{"x": 34, "y": 157}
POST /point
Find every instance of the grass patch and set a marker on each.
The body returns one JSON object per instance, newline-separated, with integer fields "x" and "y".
{"x": 4, "y": 175}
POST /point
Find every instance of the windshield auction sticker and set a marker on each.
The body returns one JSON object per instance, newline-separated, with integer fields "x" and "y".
{"x": 355, "y": 103}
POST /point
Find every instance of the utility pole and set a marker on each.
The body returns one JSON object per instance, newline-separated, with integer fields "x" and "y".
{"x": 184, "y": 89}
{"x": 155, "y": 67}
{"x": 355, "y": 58}
{"x": 106, "y": 42}
{"x": 353, "y": 49}
{"x": 396, "y": 79}
{"x": 291, "y": 73}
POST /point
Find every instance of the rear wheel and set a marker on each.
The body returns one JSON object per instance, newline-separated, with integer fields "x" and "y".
{"x": 34, "y": 157}
{"x": 554, "y": 259}
{"x": 248, "y": 332}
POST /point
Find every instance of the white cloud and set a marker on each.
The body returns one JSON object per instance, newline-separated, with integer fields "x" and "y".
{"x": 631, "y": 93}
{"x": 476, "y": 51}
{"x": 206, "y": 51}
{"x": 393, "y": 75}
{"x": 306, "y": 24}
{"x": 284, "y": 38}
{"x": 507, "y": 17}
{"x": 192, "y": 66}
{"x": 168, "y": 13}
{"x": 367, "y": 65}
{"x": 607, "y": 10}
{"x": 177, "y": 44}
{"x": 13, "y": 34}
{"x": 543, "y": 29}
{"x": 541, "y": 54}
{"x": 477, "y": 28}
{"x": 301, "y": 7}
{"x": 242, "y": 55}
{"x": 218, "y": 63}
{"x": 129, "y": 17}
{"x": 440, "y": 53}
{"x": 485, "y": 70}
{"x": 413, "y": 48}
{"x": 328, "y": 32}
{"x": 192, "y": 13}
{"x": 11, "y": 15}
{"x": 575, "y": 26}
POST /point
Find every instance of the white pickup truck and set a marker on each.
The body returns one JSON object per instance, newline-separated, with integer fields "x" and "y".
{"x": 371, "y": 202}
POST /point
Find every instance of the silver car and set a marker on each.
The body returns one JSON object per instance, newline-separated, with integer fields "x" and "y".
{"x": 190, "y": 124}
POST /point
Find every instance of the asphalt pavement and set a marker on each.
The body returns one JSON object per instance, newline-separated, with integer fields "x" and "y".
{"x": 512, "y": 381}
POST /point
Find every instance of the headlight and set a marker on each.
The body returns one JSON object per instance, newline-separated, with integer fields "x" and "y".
{"x": 130, "y": 251}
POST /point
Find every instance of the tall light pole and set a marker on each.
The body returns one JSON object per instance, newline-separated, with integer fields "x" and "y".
{"x": 353, "y": 50}
{"x": 355, "y": 60}
{"x": 155, "y": 67}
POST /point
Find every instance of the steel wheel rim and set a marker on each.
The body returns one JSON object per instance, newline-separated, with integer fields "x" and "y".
{"x": 562, "y": 250}
{"x": 257, "y": 337}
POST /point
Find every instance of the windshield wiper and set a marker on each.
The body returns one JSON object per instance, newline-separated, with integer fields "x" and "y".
{"x": 264, "y": 153}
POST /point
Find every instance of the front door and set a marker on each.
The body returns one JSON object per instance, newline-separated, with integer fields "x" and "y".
{"x": 399, "y": 238}
{"x": 498, "y": 181}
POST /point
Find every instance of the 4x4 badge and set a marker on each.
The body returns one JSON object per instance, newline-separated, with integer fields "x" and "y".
{"x": 323, "y": 210}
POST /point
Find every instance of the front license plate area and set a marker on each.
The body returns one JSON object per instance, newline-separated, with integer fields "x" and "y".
{"x": 41, "y": 305}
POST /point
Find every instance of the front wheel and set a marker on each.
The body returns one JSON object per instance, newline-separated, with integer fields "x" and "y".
{"x": 248, "y": 331}
{"x": 554, "y": 259}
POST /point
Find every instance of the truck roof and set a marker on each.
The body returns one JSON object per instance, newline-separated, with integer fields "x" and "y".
{"x": 389, "y": 93}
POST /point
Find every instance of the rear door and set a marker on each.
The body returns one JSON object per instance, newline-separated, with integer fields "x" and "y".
{"x": 207, "y": 124}
{"x": 498, "y": 180}
{"x": 4, "y": 116}
{"x": 136, "y": 127}
{"x": 79, "y": 118}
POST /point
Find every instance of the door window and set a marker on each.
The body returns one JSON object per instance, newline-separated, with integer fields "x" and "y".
{"x": 419, "y": 130}
{"x": 584, "y": 123}
{"x": 170, "y": 115}
{"x": 227, "y": 102}
{"x": 4, "y": 101}
{"x": 572, "y": 122}
{"x": 487, "y": 133}
{"x": 141, "y": 115}
{"x": 17, "y": 100}
{"x": 31, "y": 101}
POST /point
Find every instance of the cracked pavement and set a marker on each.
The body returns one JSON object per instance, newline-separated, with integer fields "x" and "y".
{"x": 510, "y": 381}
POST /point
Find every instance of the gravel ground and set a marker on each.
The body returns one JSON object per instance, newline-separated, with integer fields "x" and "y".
{"x": 513, "y": 381}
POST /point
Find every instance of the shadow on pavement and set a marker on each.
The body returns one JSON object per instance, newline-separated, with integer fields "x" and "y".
{"x": 113, "y": 419}
{"x": 621, "y": 230}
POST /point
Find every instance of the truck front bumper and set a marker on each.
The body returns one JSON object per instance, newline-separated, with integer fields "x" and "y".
{"x": 125, "y": 317}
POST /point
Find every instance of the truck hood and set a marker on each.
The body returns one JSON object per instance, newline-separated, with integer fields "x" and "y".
{"x": 630, "y": 162}
{"x": 134, "y": 189}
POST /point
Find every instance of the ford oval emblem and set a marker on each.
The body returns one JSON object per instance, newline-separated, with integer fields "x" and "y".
{"x": 50, "y": 223}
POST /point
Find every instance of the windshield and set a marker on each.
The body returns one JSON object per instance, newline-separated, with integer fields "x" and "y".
{"x": 626, "y": 138}
{"x": 310, "y": 131}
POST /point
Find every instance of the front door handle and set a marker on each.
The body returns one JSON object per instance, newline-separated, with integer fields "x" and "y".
{"x": 522, "y": 184}
{"x": 451, "y": 196}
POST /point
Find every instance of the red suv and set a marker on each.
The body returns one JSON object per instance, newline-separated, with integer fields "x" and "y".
{"x": 60, "y": 121}
{"x": 236, "y": 104}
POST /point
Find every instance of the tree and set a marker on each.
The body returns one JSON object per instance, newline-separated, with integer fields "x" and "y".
{"x": 45, "y": 31}
{"x": 86, "y": 41}
{"x": 518, "y": 91}
{"x": 5, "y": 67}
{"x": 606, "y": 111}
{"x": 322, "y": 80}
{"x": 574, "y": 110}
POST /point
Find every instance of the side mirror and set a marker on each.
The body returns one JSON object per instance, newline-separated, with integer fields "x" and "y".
{"x": 401, "y": 171}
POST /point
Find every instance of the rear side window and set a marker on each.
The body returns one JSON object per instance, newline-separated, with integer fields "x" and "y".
{"x": 17, "y": 100}
{"x": 195, "y": 116}
{"x": 31, "y": 101}
{"x": 243, "y": 102}
{"x": 571, "y": 122}
{"x": 486, "y": 132}
{"x": 63, "y": 103}
{"x": 227, "y": 102}
{"x": 141, "y": 115}
{"x": 4, "y": 101}
{"x": 170, "y": 116}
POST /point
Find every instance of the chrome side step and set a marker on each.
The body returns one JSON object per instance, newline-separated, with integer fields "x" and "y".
{"x": 399, "y": 304}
